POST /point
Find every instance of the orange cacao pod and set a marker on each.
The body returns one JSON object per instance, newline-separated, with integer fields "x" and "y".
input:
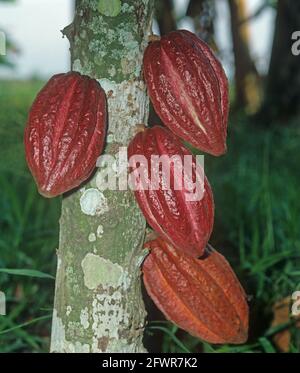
{"x": 65, "y": 132}
{"x": 188, "y": 89}
{"x": 201, "y": 296}
{"x": 185, "y": 223}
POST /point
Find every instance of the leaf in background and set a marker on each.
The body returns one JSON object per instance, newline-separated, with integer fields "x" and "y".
{"x": 26, "y": 272}
{"x": 171, "y": 335}
{"x": 37, "y": 319}
{"x": 267, "y": 345}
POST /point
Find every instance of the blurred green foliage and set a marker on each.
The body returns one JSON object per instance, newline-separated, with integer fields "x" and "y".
{"x": 257, "y": 227}
{"x": 5, "y": 60}
{"x": 29, "y": 231}
{"x": 10, "y": 47}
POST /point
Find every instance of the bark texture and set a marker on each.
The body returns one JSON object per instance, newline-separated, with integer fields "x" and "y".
{"x": 98, "y": 302}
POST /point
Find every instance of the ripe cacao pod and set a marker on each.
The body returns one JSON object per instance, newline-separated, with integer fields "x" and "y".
{"x": 188, "y": 89}
{"x": 187, "y": 224}
{"x": 201, "y": 296}
{"x": 65, "y": 132}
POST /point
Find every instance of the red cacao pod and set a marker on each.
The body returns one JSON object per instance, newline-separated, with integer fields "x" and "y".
{"x": 185, "y": 223}
{"x": 201, "y": 296}
{"x": 65, "y": 132}
{"x": 188, "y": 89}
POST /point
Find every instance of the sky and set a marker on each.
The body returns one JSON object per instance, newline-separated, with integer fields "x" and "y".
{"x": 34, "y": 26}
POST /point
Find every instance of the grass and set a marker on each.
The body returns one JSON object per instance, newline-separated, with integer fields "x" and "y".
{"x": 257, "y": 228}
{"x": 29, "y": 232}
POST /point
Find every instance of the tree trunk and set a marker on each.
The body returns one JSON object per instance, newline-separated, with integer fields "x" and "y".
{"x": 203, "y": 13}
{"x": 165, "y": 15}
{"x": 282, "y": 90}
{"x": 98, "y": 303}
{"x": 247, "y": 83}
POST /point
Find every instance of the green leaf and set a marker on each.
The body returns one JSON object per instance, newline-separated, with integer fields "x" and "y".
{"x": 279, "y": 328}
{"x": 26, "y": 272}
{"x": 41, "y": 318}
{"x": 267, "y": 345}
{"x": 171, "y": 335}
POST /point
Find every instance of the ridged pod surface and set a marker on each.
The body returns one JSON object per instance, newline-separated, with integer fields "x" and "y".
{"x": 65, "y": 132}
{"x": 201, "y": 296}
{"x": 188, "y": 89}
{"x": 185, "y": 223}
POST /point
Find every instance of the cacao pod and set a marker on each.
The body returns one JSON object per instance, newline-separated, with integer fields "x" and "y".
{"x": 188, "y": 89}
{"x": 65, "y": 132}
{"x": 201, "y": 296}
{"x": 187, "y": 224}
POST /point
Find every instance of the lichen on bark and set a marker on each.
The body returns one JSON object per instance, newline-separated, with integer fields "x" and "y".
{"x": 110, "y": 46}
{"x": 98, "y": 303}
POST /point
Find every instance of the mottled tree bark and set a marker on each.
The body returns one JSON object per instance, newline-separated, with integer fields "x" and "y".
{"x": 98, "y": 302}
